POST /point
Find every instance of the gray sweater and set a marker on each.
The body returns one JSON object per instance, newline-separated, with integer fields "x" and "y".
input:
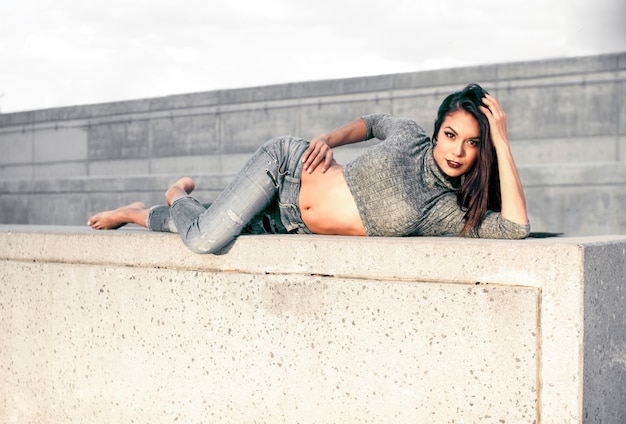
{"x": 400, "y": 191}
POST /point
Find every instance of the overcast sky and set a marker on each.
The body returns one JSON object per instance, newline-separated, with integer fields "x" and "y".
{"x": 69, "y": 52}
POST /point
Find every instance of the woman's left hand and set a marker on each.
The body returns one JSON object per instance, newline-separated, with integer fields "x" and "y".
{"x": 511, "y": 190}
{"x": 497, "y": 120}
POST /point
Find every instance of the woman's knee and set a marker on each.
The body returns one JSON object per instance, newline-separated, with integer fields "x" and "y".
{"x": 209, "y": 235}
{"x": 280, "y": 145}
{"x": 204, "y": 246}
{"x": 274, "y": 141}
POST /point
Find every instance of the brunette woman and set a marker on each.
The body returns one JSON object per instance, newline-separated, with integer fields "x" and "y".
{"x": 461, "y": 182}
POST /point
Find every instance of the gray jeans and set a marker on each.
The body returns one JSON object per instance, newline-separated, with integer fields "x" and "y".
{"x": 262, "y": 198}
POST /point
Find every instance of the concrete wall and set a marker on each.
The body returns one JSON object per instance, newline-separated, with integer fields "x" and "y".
{"x": 128, "y": 326}
{"x": 567, "y": 124}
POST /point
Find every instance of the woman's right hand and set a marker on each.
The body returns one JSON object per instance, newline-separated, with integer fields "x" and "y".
{"x": 318, "y": 152}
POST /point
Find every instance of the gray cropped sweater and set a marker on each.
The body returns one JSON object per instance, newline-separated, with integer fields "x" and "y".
{"x": 400, "y": 191}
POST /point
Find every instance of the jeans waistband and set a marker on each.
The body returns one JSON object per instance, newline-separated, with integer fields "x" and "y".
{"x": 289, "y": 187}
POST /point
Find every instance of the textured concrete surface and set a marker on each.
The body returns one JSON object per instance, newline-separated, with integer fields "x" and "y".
{"x": 125, "y": 326}
{"x": 562, "y": 113}
{"x": 604, "y": 342}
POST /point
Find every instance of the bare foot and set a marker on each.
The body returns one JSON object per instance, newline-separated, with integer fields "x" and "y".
{"x": 135, "y": 213}
{"x": 180, "y": 188}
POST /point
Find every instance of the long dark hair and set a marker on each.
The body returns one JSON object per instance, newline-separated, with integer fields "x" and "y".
{"x": 480, "y": 186}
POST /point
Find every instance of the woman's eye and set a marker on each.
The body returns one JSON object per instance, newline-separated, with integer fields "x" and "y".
{"x": 473, "y": 142}
{"x": 449, "y": 135}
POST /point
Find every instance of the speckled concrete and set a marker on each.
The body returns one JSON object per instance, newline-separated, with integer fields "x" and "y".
{"x": 128, "y": 326}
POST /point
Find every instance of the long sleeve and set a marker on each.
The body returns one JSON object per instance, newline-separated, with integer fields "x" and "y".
{"x": 383, "y": 127}
{"x": 446, "y": 218}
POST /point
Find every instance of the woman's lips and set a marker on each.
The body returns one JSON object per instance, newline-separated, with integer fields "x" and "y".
{"x": 453, "y": 164}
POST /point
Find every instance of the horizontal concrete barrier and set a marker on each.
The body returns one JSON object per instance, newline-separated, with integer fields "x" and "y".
{"x": 129, "y": 326}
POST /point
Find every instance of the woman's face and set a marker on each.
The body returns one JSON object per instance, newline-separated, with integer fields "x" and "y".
{"x": 458, "y": 142}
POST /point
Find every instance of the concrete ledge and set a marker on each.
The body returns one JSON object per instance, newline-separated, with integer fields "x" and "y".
{"x": 128, "y": 325}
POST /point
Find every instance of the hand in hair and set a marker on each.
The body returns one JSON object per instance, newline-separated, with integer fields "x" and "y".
{"x": 497, "y": 121}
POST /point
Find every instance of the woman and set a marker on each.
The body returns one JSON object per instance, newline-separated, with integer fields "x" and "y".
{"x": 463, "y": 182}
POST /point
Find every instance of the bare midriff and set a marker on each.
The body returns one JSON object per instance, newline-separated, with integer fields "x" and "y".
{"x": 326, "y": 204}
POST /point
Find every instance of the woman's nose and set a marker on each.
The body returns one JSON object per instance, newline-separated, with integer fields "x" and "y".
{"x": 458, "y": 149}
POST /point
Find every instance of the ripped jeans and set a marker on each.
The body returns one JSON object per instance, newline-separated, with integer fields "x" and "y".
{"x": 262, "y": 198}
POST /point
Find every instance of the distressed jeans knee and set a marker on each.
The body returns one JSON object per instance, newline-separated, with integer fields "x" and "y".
{"x": 255, "y": 189}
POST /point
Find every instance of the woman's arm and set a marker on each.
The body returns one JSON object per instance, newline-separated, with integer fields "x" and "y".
{"x": 320, "y": 149}
{"x": 512, "y": 192}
